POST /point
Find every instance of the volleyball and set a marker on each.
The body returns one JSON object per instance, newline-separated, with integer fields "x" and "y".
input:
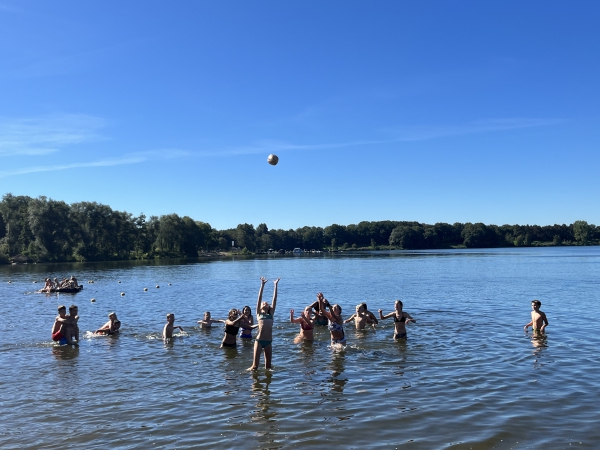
{"x": 273, "y": 160}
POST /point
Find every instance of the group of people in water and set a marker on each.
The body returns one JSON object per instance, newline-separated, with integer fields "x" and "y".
{"x": 65, "y": 283}
{"x": 65, "y": 329}
{"x": 320, "y": 312}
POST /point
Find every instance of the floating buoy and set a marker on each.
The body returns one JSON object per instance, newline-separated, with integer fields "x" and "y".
{"x": 145, "y": 289}
{"x": 119, "y": 281}
{"x": 35, "y": 281}
{"x": 122, "y": 294}
{"x": 93, "y": 300}
{"x": 169, "y": 284}
{"x": 9, "y": 282}
{"x": 157, "y": 286}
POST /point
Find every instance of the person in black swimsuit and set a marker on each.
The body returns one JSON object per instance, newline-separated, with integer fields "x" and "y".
{"x": 401, "y": 318}
{"x": 232, "y": 327}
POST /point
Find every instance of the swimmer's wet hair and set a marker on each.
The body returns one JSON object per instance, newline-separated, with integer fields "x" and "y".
{"x": 72, "y": 307}
{"x": 537, "y": 303}
{"x": 364, "y": 305}
{"x": 170, "y": 315}
{"x": 61, "y": 307}
{"x": 400, "y": 301}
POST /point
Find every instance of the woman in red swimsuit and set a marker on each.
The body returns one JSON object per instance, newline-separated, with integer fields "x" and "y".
{"x": 306, "y": 325}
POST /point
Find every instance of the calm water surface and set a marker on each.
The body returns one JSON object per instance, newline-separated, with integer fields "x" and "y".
{"x": 467, "y": 377}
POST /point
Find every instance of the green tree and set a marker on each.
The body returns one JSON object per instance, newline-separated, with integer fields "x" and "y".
{"x": 581, "y": 231}
{"x": 478, "y": 235}
{"x": 407, "y": 238}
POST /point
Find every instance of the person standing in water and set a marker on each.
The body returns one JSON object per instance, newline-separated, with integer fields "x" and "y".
{"x": 361, "y": 318}
{"x": 264, "y": 337}
{"x": 247, "y": 323}
{"x": 335, "y": 321}
{"x": 306, "y": 325}
{"x": 169, "y": 327}
{"x": 232, "y": 328}
{"x": 539, "y": 322}
{"x": 401, "y": 318}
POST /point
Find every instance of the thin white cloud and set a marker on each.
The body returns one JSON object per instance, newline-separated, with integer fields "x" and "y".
{"x": 271, "y": 146}
{"x": 400, "y": 134}
{"x": 103, "y": 163}
{"x": 43, "y": 135}
{"x": 421, "y": 133}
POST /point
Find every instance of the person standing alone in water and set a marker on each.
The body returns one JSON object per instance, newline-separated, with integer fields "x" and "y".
{"x": 539, "y": 322}
{"x": 401, "y": 318}
{"x": 264, "y": 337}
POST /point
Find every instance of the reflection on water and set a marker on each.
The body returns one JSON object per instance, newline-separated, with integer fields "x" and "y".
{"x": 337, "y": 366}
{"x": 65, "y": 352}
{"x": 264, "y": 413}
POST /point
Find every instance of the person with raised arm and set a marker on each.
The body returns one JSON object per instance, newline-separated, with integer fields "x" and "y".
{"x": 401, "y": 318}
{"x": 264, "y": 337}
{"x": 319, "y": 318}
{"x": 232, "y": 328}
{"x": 335, "y": 321}
{"x": 306, "y": 324}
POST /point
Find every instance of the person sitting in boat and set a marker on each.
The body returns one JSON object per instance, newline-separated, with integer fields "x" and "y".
{"x": 73, "y": 282}
{"x": 48, "y": 285}
{"x": 111, "y": 327}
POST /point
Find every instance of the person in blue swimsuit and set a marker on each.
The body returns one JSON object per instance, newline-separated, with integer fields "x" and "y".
{"x": 264, "y": 337}
{"x": 401, "y": 318}
{"x": 334, "y": 316}
{"x": 247, "y": 323}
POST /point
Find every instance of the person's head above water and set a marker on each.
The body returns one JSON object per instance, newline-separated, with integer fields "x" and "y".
{"x": 360, "y": 308}
{"x": 536, "y": 304}
{"x": 233, "y": 314}
{"x": 246, "y": 311}
{"x": 170, "y": 317}
{"x": 207, "y": 315}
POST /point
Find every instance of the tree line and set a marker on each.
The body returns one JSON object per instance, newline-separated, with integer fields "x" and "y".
{"x": 42, "y": 229}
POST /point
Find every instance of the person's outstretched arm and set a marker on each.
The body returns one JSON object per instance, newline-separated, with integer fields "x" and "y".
{"x": 263, "y": 281}
{"x": 387, "y": 316}
{"x": 298, "y": 320}
{"x": 322, "y": 306}
{"x": 274, "y": 302}
{"x": 350, "y": 319}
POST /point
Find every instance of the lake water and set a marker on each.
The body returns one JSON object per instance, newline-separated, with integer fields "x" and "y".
{"x": 468, "y": 377}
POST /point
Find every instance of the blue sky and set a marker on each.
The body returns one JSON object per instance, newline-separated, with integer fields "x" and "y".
{"x": 431, "y": 111}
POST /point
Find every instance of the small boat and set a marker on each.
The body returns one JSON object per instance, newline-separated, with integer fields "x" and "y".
{"x": 64, "y": 290}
